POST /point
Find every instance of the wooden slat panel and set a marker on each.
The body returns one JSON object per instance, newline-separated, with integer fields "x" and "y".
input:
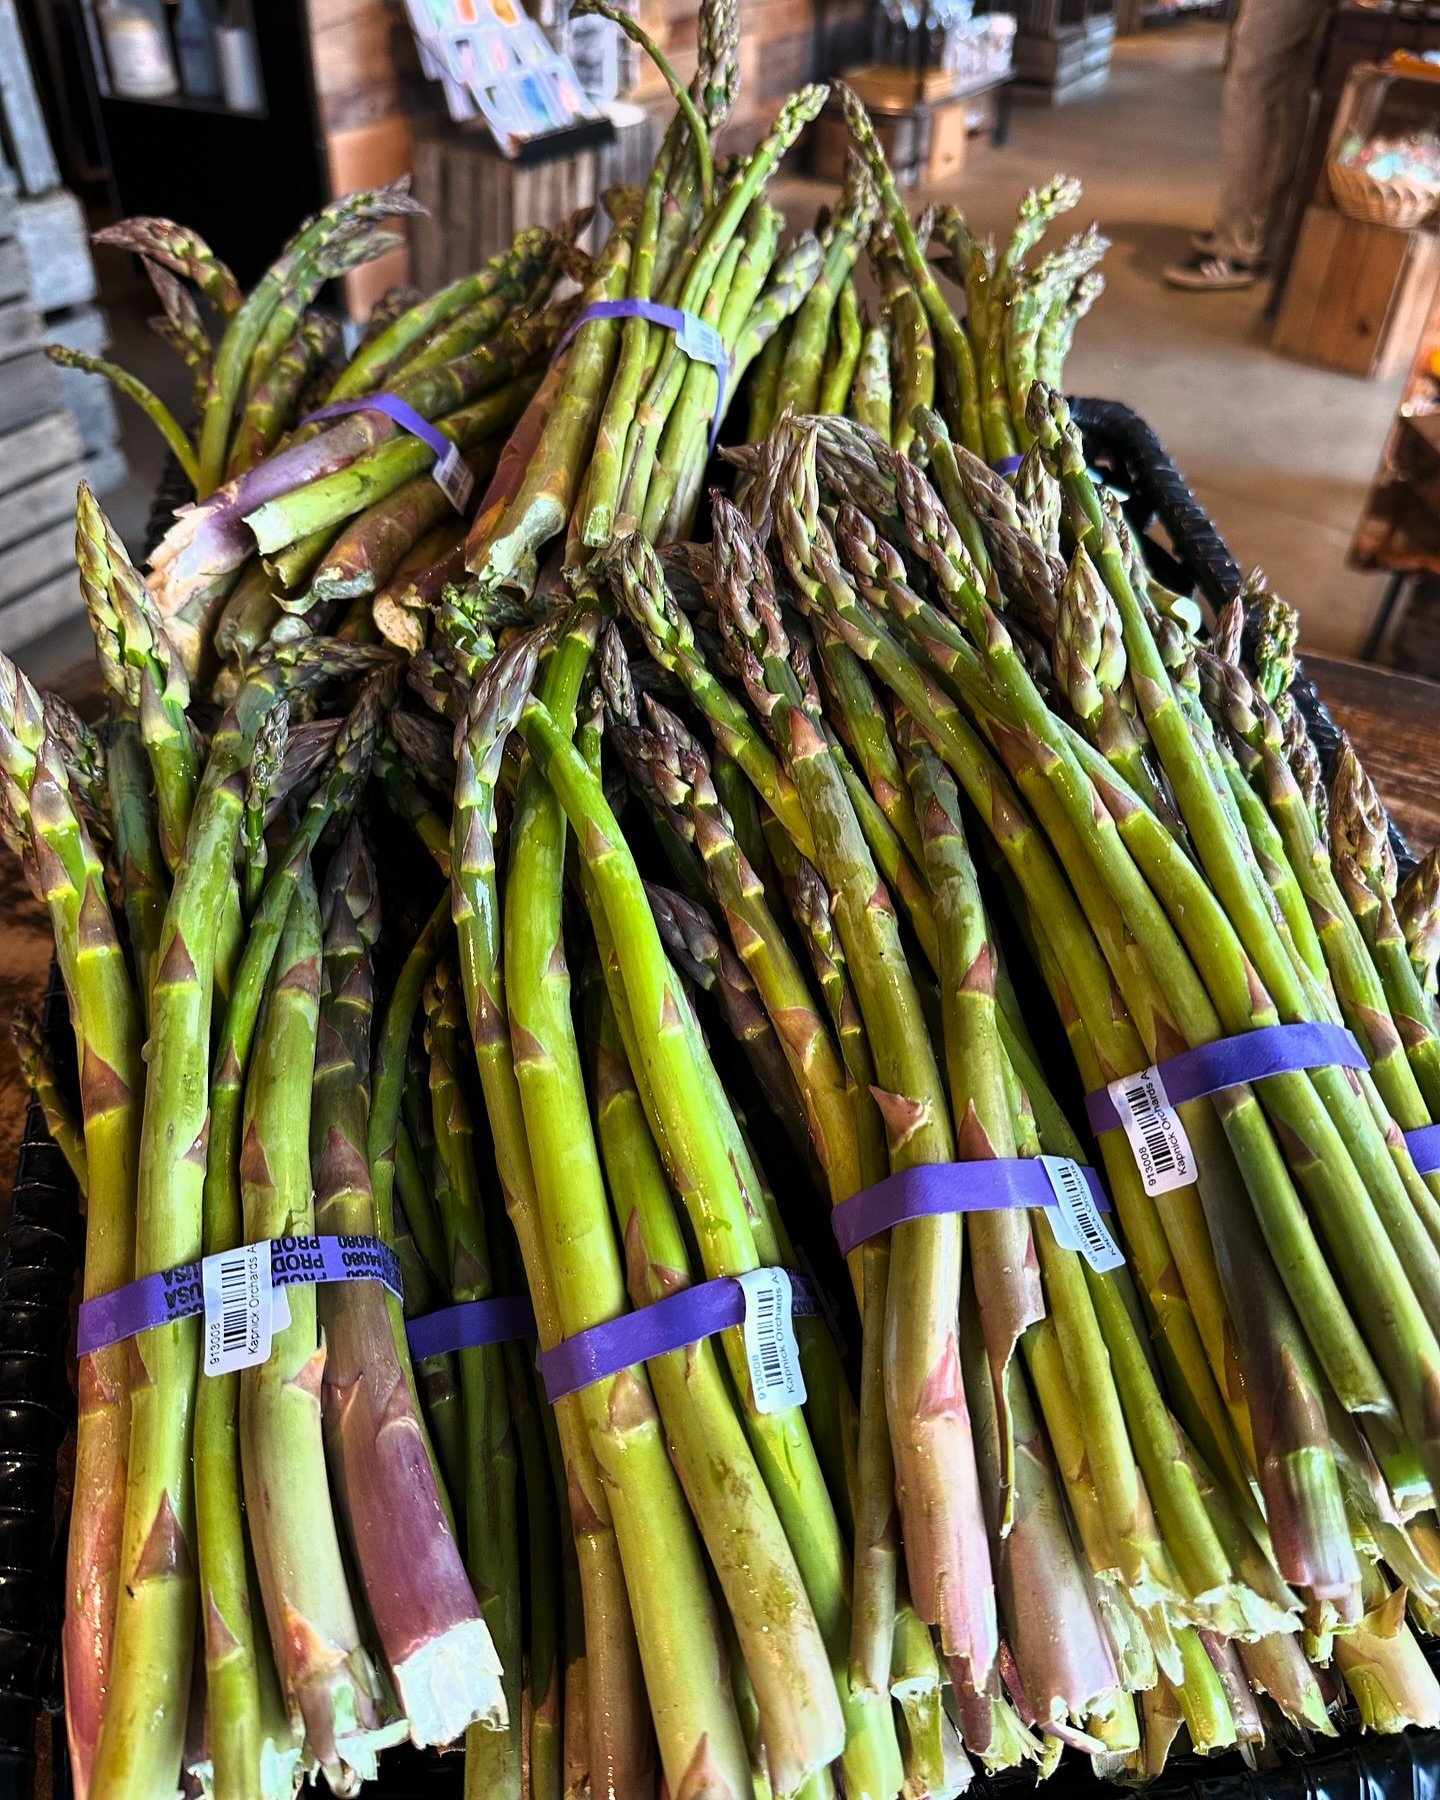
{"x": 56, "y": 241}
{"x": 35, "y": 449}
{"x": 1357, "y": 293}
{"x": 26, "y": 511}
{"x": 1306, "y": 285}
{"x": 38, "y": 559}
{"x": 24, "y": 121}
{"x": 21, "y": 327}
{"x": 31, "y": 615}
{"x": 31, "y": 386}
{"x": 1350, "y": 334}
{"x": 1417, "y": 295}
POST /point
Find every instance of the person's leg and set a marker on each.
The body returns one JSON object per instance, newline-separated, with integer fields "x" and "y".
{"x": 1262, "y": 118}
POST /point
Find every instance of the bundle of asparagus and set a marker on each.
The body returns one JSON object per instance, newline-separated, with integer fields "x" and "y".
{"x": 879, "y": 830}
{"x": 295, "y": 514}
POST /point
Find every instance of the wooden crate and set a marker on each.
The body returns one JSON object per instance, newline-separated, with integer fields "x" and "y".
{"x": 476, "y": 200}
{"x": 904, "y": 136}
{"x": 1358, "y": 295}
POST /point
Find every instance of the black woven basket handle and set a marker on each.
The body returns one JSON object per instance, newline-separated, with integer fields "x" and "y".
{"x": 1128, "y": 452}
{"x": 43, "y": 1247}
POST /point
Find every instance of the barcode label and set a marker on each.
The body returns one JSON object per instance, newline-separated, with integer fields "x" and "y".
{"x": 1077, "y": 1221}
{"x": 770, "y": 1346}
{"x": 454, "y": 478}
{"x": 1157, "y": 1138}
{"x": 701, "y": 342}
{"x": 239, "y": 1308}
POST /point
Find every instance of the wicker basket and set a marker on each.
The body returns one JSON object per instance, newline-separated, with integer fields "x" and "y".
{"x": 1359, "y": 195}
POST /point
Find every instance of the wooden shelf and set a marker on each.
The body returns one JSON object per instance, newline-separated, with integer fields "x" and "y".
{"x": 1399, "y": 527}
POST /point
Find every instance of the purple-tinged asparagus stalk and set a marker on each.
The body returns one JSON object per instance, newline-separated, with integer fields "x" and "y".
{"x": 331, "y": 1689}
{"x": 436, "y": 1645}
{"x": 107, "y": 1021}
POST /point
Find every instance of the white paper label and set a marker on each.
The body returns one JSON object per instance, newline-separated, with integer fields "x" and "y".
{"x": 1157, "y": 1138}
{"x": 770, "y": 1346}
{"x": 1079, "y": 1224}
{"x": 140, "y": 62}
{"x": 454, "y": 478}
{"x": 239, "y": 1308}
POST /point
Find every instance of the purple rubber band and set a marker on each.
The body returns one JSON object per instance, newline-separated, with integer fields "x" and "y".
{"x": 700, "y": 341}
{"x": 1232, "y": 1061}
{"x": 471, "y": 1325}
{"x": 933, "y": 1189}
{"x": 404, "y": 415}
{"x": 670, "y": 1324}
{"x": 1007, "y": 465}
{"x": 177, "y": 1294}
{"x": 1424, "y": 1147}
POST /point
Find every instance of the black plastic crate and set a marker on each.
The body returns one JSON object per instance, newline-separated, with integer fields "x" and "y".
{"x": 45, "y": 1241}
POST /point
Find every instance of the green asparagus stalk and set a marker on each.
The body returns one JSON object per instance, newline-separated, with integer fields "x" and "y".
{"x": 149, "y": 402}
{"x": 271, "y": 407}
{"x": 843, "y": 358}
{"x": 440, "y": 1654}
{"x": 658, "y": 1545}
{"x": 107, "y": 1025}
{"x": 245, "y": 331}
{"x": 776, "y": 1631}
{"x": 871, "y": 399}
{"x": 137, "y": 851}
{"x": 140, "y": 1742}
{"x": 957, "y": 369}
{"x": 604, "y": 1707}
{"x": 37, "y": 1070}
{"x": 180, "y": 250}
{"x": 375, "y": 360}
{"x": 331, "y": 1689}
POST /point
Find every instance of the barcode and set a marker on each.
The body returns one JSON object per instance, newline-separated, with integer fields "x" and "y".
{"x": 1076, "y": 1217}
{"x": 770, "y": 1347}
{"x": 455, "y": 479}
{"x": 1147, "y": 1121}
{"x": 234, "y": 1305}
{"x": 767, "y": 1316}
{"x": 239, "y": 1308}
{"x": 1157, "y": 1138}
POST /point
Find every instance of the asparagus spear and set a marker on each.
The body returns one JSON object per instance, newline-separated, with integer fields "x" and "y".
{"x": 179, "y": 249}
{"x": 331, "y": 1689}
{"x": 375, "y": 360}
{"x": 871, "y": 399}
{"x": 775, "y": 1629}
{"x": 440, "y": 1655}
{"x": 107, "y": 1025}
{"x": 843, "y": 358}
{"x": 245, "y": 330}
{"x": 658, "y": 1545}
{"x": 958, "y": 371}
{"x": 38, "y": 1072}
{"x": 140, "y": 1743}
{"x": 493, "y": 1758}
{"x": 610, "y": 1716}
{"x": 149, "y": 402}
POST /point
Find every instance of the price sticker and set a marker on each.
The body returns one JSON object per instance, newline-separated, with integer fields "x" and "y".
{"x": 454, "y": 478}
{"x": 770, "y": 1347}
{"x": 1151, "y": 1124}
{"x": 1076, "y": 1220}
{"x": 239, "y": 1313}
